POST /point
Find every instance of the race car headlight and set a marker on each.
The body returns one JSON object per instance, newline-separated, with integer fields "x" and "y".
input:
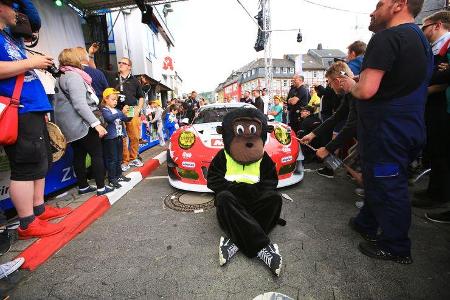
{"x": 186, "y": 139}
{"x": 282, "y": 135}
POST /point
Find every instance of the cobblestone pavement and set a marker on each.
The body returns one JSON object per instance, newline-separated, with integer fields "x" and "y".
{"x": 140, "y": 249}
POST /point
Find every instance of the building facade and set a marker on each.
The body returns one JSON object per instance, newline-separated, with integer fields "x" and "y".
{"x": 252, "y": 76}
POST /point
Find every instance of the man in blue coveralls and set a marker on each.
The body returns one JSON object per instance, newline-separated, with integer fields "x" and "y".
{"x": 391, "y": 95}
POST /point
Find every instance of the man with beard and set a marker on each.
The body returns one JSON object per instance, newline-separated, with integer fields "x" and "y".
{"x": 391, "y": 95}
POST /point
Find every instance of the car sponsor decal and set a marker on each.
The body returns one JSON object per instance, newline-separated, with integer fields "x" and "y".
{"x": 286, "y": 149}
{"x": 216, "y": 142}
{"x": 188, "y": 164}
{"x": 286, "y": 159}
{"x": 186, "y": 155}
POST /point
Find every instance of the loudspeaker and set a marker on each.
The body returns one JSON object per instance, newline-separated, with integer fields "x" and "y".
{"x": 147, "y": 14}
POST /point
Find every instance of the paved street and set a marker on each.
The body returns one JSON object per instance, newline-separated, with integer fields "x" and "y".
{"x": 140, "y": 249}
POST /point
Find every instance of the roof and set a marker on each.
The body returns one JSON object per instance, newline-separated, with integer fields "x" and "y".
{"x": 327, "y": 53}
{"x": 108, "y": 4}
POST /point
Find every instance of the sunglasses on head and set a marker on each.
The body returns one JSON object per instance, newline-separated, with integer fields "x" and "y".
{"x": 425, "y": 26}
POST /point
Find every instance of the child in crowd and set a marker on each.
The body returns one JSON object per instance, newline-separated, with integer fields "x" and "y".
{"x": 155, "y": 121}
{"x": 112, "y": 141}
{"x": 277, "y": 110}
{"x": 171, "y": 121}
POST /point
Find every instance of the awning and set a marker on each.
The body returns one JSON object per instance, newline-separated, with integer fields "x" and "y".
{"x": 159, "y": 87}
{"x": 91, "y": 5}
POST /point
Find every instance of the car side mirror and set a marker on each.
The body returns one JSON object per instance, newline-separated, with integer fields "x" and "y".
{"x": 185, "y": 121}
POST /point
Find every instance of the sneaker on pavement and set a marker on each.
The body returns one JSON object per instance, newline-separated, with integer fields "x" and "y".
{"x": 124, "y": 178}
{"x": 115, "y": 184}
{"x": 10, "y": 267}
{"x": 5, "y": 241}
{"x": 86, "y": 190}
{"x": 326, "y": 172}
{"x": 105, "y": 190}
{"x": 52, "y": 212}
{"x": 124, "y": 167}
{"x": 227, "y": 249}
{"x": 442, "y": 217}
{"x": 374, "y": 251}
{"x": 135, "y": 163}
{"x": 359, "y": 192}
{"x": 38, "y": 229}
{"x": 271, "y": 256}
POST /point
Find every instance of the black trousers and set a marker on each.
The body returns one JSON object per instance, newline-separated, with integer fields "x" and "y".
{"x": 91, "y": 144}
{"x": 112, "y": 149}
{"x": 248, "y": 222}
{"x": 438, "y": 153}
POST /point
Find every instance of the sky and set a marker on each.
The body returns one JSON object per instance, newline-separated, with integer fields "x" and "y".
{"x": 215, "y": 37}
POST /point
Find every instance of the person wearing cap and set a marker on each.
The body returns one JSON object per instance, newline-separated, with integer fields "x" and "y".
{"x": 308, "y": 122}
{"x": 113, "y": 140}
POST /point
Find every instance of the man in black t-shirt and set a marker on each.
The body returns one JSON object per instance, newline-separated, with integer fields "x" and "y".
{"x": 190, "y": 106}
{"x": 390, "y": 98}
{"x": 258, "y": 101}
{"x": 298, "y": 97}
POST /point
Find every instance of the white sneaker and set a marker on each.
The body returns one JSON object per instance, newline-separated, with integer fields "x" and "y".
{"x": 124, "y": 167}
{"x": 135, "y": 163}
{"x": 9, "y": 267}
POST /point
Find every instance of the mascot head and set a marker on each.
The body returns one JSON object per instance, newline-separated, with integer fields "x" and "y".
{"x": 244, "y": 132}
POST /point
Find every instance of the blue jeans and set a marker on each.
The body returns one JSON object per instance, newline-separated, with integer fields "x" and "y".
{"x": 112, "y": 149}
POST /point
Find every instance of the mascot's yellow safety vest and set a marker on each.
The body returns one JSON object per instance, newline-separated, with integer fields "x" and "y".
{"x": 242, "y": 173}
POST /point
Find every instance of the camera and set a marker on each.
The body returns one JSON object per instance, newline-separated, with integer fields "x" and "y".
{"x": 54, "y": 71}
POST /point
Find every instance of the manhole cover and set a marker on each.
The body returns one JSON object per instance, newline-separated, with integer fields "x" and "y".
{"x": 188, "y": 202}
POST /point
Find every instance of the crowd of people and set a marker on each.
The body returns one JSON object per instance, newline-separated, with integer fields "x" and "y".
{"x": 383, "y": 115}
{"x": 396, "y": 111}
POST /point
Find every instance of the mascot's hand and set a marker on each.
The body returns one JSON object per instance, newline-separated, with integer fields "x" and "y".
{"x": 244, "y": 190}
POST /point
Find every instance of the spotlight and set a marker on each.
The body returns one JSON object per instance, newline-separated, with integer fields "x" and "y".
{"x": 58, "y": 3}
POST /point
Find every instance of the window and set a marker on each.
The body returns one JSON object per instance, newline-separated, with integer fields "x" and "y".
{"x": 285, "y": 83}
{"x": 253, "y": 71}
{"x": 314, "y": 74}
{"x": 277, "y": 70}
{"x": 291, "y": 70}
{"x": 285, "y": 70}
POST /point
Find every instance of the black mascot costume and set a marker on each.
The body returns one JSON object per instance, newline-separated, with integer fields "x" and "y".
{"x": 244, "y": 178}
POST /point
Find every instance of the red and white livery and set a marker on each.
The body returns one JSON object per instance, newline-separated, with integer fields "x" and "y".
{"x": 193, "y": 147}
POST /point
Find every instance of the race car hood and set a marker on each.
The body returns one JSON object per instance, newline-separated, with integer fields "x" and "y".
{"x": 208, "y": 134}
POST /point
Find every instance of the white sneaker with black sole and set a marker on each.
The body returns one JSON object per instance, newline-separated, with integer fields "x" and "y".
{"x": 10, "y": 267}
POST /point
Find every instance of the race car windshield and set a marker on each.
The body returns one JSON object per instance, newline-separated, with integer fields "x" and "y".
{"x": 210, "y": 115}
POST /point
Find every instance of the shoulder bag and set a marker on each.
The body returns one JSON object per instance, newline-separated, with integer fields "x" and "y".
{"x": 9, "y": 114}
